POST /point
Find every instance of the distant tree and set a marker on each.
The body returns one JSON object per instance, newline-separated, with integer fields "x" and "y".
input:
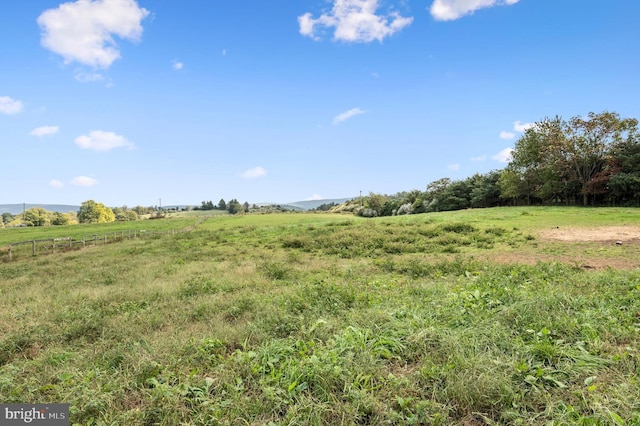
{"x": 61, "y": 219}
{"x": 7, "y": 217}
{"x": 234, "y": 207}
{"x": 122, "y": 214}
{"x": 509, "y": 184}
{"x": 245, "y": 207}
{"x": 485, "y": 191}
{"x": 374, "y": 202}
{"x": 92, "y": 212}
{"x": 36, "y": 216}
{"x": 222, "y": 205}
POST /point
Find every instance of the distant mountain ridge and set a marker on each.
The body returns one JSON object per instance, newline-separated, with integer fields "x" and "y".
{"x": 313, "y": 204}
{"x": 17, "y": 208}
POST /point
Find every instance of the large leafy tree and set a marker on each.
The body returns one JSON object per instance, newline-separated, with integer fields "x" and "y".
{"x": 588, "y": 142}
{"x": 562, "y": 160}
{"x": 92, "y": 212}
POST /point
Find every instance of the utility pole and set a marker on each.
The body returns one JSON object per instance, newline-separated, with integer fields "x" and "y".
{"x": 360, "y": 198}
{"x": 159, "y": 203}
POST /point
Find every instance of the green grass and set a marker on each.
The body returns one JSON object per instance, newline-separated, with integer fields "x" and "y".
{"x": 323, "y": 319}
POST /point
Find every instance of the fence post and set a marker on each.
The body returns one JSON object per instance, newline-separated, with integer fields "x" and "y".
{"x": 33, "y": 247}
{"x": 9, "y": 251}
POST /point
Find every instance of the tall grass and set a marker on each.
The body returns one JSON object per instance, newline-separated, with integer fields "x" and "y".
{"x": 309, "y": 319}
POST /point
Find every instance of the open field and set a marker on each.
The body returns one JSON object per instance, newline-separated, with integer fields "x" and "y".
{"x": 499, "y": 316}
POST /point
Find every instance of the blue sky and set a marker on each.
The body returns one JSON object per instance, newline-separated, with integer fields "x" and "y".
{"x": 132, "y": 101}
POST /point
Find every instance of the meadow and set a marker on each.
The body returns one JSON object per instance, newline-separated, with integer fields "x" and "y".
{"x": 473, "y": 317}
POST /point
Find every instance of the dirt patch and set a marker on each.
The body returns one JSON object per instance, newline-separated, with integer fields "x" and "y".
{"x": 604, "y": 233}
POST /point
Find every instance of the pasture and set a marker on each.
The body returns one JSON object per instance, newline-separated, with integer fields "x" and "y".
{"x": 506, "y": 316}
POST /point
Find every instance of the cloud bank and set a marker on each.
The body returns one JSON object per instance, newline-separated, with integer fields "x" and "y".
{"x": 83, "y": 31}
{"x": 354, "y": 21}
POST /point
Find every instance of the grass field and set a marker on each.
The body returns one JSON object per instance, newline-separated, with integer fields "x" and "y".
{"x": 461, "y": 318}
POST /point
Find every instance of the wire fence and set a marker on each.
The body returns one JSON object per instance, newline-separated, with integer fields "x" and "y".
{"x": 53, "y": 245}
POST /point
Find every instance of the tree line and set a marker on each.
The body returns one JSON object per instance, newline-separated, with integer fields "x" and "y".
{"x": 588, "y": 160}
{"x": 89, "y": 212}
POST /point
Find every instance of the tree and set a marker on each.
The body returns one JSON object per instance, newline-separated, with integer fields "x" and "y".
{"x": 61, "y": 219}
{"x": 222, "y": 205}
{"x": 568, "y": 158}
{"x": 123, "y": 214}
{"x": 7, "y": 217}
{"x": 375, "y": 202}
{"x": 92, "y": 212}
{"x": 36, "y": 216}
{"x": 590, "y": 140}
{"x": 234, "y": 207}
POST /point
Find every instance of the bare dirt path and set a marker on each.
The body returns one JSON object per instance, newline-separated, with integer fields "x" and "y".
{"x": 616, "y": 247}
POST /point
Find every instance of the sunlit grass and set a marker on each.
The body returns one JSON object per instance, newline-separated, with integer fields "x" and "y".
{"x": 322, "y": 319}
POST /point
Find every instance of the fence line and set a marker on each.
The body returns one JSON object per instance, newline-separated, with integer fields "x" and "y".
{"x": 50, "y": 245}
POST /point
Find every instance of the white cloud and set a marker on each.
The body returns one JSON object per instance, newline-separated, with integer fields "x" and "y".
{"x": 347, "y": 115}
{"x": 224, "y": 52}
{"x": 56, "y": 184}
{"x": 507, "y": 135}
{"x": 87, "y": 77}
{"x": 44, "y": 131}
{"x": 354, "y": 21}
{"x": 103, "y": 141}
{"x": 503, "y": 156}
{"x": 519, "y": 126}
{"x": 9, "y": 105}
{"x": 449, "y": 10}
{"x": 453, "y": 167}
{"x": 178, "y": 65}
{"x": 83, "y": 30}
{"x": 480, "y": 158}
{"x": 83, "y": 181}
{"x": 315, "y": 197}
{"x": 256, "y": 172}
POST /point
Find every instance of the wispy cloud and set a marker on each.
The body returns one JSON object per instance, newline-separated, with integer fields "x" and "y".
{"x": 10, "y": 106}
{"x": 503, "y": 156}
{"x": 99, "y": 140}
{"x": 354, "y": 21}
{"x": 315, "y": 197}
{"x": 87, "y": 77}
{"x": 83, "y": 31}
{"x": 177, "y": 65}
{"x": 480, "y": 158}
{"x": 449, "y": 10}
{"x": 507, "y": 135}
{"x": 56, "y": 184}
{"x": 347, "y": 115}
{"x": 83, "y": 181}
{"x": 519, "y": 126}
{"x": 44, "y": 131}
{"x": 453, "y": 167}
{"x": 255, "y": 173}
